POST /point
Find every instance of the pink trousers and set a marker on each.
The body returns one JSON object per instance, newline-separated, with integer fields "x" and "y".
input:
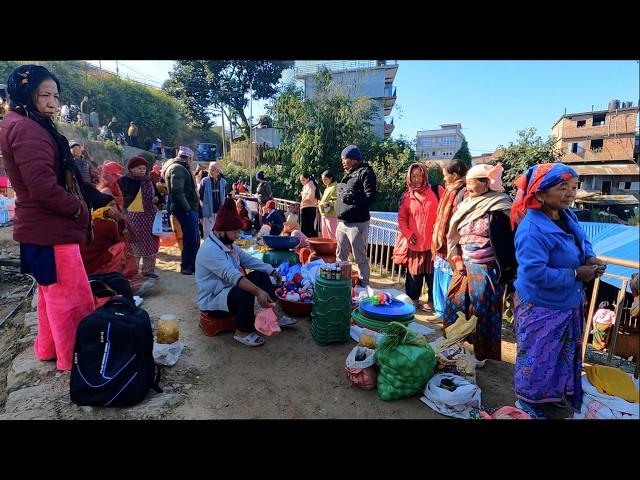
{"x": 61, "y": 306}
{"x": 329, "y": 225}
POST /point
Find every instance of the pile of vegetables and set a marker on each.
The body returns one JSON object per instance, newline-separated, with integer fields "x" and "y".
{"x": 406, "y": 362}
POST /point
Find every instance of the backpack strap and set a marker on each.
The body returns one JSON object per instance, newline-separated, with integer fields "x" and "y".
{"x": 156, "y": 380}
{"x": 103, "y": 288}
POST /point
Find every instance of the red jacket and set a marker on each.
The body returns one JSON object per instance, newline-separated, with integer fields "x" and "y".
{"x": 44, "y": 209}
{"x": 417, "y": 218}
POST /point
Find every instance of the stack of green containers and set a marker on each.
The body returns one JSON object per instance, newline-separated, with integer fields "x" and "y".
{"x": 331, "y": 311}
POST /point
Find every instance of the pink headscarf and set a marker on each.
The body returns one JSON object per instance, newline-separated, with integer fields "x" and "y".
{"x": 491, "y": 172}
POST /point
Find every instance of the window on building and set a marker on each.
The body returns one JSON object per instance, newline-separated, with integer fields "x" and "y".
{"x": 574, "y": 147}
{"x": 447, "y": 141}
{"x": 598, "y": 119}
{"x": 581, "y": 123}
{"x": 425, "y": 141}
{"x": 433, "y": 153}
{"x": 596, "y": 145}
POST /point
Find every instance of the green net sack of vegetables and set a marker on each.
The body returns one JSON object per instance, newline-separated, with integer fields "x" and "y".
{"x": 406, "y": 362}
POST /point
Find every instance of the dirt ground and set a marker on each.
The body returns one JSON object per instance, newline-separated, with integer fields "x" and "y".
{"x": 289, "y": 377}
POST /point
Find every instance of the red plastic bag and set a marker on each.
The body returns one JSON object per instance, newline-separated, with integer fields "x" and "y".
{"x": 267, "y": 322}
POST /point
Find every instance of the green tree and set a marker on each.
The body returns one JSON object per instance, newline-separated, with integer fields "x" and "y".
{"x": 315, "y": 130}
{"x": 155, "y": 113}
{"x": 464, "y": 154}
{"x": 528, "y": 150}
{"x": 204, "y": 84}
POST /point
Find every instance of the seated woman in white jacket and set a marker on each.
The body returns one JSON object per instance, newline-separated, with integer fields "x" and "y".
{"x": 224, "y": 287}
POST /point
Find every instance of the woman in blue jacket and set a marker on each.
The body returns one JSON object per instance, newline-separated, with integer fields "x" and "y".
{"x": 555, "y": 260}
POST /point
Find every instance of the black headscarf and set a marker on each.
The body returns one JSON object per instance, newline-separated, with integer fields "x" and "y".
{"x": 22, "y": 84}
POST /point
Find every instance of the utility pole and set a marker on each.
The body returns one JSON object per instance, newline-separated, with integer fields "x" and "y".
{"x": 224, "y": 143}
{"x": 100, "y": 65}
{"x": 117, "y": 70}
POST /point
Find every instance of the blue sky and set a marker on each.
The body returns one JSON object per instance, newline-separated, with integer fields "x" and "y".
{"x": 491, "y": 99}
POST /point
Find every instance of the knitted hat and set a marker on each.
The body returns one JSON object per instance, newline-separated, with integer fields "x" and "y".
{"x": 73, "y": 143}
{"x": 270, "y": 204}
{"x": 215, "y": 165}
{"x": 352, "y": 152}
{"x": 227, "y": 219}
{"x": 260, "y": 175}
{"x": 136, "y": 162}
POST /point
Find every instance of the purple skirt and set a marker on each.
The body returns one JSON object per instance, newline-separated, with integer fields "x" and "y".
{"x": 549, "y": 356}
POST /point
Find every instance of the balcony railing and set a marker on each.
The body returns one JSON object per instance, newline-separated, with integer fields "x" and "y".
{"x": 334, "y": 66}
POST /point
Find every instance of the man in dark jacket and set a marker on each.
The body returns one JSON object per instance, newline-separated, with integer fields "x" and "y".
{"x": 184, "y": 204}
{"x": 356, "y": 193}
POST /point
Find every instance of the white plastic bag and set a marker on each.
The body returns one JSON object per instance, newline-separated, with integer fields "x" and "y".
{"x": 161, "y": 224}
{"x": 4, "y": 211}
{"x": 360, "y": 368}
{"x": 369, "y": 357}
{"x": 167, "y": 353}
{"x": 463, "y": 402}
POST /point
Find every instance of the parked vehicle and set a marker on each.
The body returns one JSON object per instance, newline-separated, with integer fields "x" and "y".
{"x": 207, "y": 152}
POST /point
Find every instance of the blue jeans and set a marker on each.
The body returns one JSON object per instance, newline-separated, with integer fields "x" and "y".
{"x": 190, "y": 238}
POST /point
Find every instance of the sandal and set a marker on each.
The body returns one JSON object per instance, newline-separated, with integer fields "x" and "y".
{"x": 425, "y": 307}
{"x": 251, "y": 340}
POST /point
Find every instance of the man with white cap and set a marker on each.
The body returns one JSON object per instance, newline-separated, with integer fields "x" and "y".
{"x": 213, "y": 191}
{"x": 184, "y": 204}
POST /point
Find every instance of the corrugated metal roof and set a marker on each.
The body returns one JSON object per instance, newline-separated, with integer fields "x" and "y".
{"x": 597, "y": 198}
{"x": 608, "y": 169}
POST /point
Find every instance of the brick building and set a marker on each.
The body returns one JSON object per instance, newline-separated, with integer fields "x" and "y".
{"x": 601, "y": 147}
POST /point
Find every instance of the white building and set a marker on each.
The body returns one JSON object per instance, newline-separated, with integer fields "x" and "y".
{"x": 439, "y": 144}
{"x": 358, "y": 78}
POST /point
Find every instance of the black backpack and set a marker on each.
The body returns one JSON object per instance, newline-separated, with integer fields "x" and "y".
{"x": 113, "y": 362}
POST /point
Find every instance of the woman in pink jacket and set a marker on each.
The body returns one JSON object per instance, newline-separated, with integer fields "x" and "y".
{"x": 52, "y": 210}
{"x": 416, "y": 217}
